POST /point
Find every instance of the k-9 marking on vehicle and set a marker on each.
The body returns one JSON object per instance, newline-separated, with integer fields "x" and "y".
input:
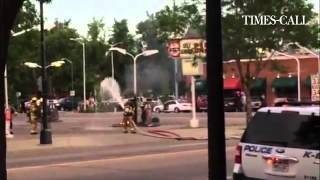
{"x": 259, "y": 149}
{"x": 310, "y": 154}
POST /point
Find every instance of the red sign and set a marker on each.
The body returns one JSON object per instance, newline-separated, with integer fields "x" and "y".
{"x": 174, "y": 48}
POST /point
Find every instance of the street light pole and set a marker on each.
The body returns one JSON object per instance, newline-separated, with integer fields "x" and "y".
{"x": 71, "y": 94}
{"x": 72, "y": 86}
{"x": 176, "y": 86}
{"x": 194, "y": 122}
{"x": 84, "y": 70}
{"x": 6, "y": 87}
{"x": 45, "y": 134}
{"x": 84, "y": 77}
{"x": 112, "y": 66}
{"x": 311, "y": 52}
{"x": 298, "y": 72}
{"x": 135, "y": 73}
{"x": 69, "y": 61}
{"x": 135, "y": 76}
{"x": 134, "y": 58}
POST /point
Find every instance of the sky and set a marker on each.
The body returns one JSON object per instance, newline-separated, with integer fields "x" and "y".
{"x": 81, "y": 12}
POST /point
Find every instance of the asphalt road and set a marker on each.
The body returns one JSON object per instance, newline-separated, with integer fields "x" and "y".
{"x": 93, "y": 122}
{"x": 155, "y": 160}
{"x": 186, "y": 161}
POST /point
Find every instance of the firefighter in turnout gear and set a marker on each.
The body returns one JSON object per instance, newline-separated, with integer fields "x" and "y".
{"x": 34, "y": 115}
{"x": 128, "y": 115}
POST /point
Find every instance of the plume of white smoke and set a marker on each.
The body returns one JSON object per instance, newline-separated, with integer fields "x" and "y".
{"x": 149, "y": 76}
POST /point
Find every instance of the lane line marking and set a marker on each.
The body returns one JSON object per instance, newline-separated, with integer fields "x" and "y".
{"x": 100, "y": 160}
{"x": 189, "y": 144}
{"x": 106, "y": 159}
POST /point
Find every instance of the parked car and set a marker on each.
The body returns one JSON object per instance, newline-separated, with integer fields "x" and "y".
{"x": 283, "y": 100}
{"x": 176, "y": 106}
{"x": 257, "y": 103}
{"x": 167, "y": 98}
{"x": 158, "y": 108}
{"x": 280, "y": 143}
{"x": 68, "y": 103}
{"x": 53, "y": 114}
{"x": 202, "y": 103}
{"x": 153, "y": 102}
{"x": 232, "y": 104}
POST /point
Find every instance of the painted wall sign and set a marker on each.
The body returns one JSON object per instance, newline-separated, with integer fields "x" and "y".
{"x": 315, "y": 87}
{"x": 192, "y": 47}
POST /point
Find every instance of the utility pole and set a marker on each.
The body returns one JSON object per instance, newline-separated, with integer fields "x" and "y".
{"x": 84, "y": 76}
{"x": 6, "y": 86}
{"x": 8, "y": 11}
{"x": 216, "y": 123}
{"x": 176, "y": 86}
{"x": 45, "y": 134}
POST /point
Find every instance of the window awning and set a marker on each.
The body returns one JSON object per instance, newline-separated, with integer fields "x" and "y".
{"x": 285, "y": 83}
{"x": 259, "y": 84}
{"x": 231, "y": 83}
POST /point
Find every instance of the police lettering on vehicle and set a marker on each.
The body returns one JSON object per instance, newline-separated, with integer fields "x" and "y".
{"x": 259, "y": 149}
{"x": 310, "y": 154}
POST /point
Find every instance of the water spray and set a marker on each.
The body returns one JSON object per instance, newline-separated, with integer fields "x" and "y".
{"x": 109, "y": 88}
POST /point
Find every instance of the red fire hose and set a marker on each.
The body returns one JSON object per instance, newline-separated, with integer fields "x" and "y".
{"x": 159, "y": 133}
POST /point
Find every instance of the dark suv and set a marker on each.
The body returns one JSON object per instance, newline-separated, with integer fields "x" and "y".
{"x": 68, "y": 103}
{"x": 232, "y": 104}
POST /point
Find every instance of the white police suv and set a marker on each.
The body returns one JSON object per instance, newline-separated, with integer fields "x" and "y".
{"x": 280, "y": 143}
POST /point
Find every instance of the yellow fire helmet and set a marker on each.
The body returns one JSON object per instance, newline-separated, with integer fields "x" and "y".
{"x": 39, "y": 101}
{"x": 34, "y": 99}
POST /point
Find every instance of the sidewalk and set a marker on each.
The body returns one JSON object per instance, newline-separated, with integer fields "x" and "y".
{"x": 111, "y": 139}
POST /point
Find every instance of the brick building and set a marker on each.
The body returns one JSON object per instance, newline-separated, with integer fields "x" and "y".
{"x": 277, "y": 79}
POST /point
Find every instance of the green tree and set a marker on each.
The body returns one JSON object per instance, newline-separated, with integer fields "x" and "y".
{"x": 241, "y": 41}
{"x": 9, "y": 10}
{"x": 95, "y": 55}
{"x": 58, "y": 46}
{"x": 96, "y": 30}
{"x": 24, "y": 47}
{"x": 168, "y": 23}
{"x": 27, "y": 17}
{"x": 173, "y": 22}
{"x": 160, "y": 82}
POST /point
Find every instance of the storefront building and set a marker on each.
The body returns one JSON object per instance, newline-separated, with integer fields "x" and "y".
{"x": 278, "y": 78}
